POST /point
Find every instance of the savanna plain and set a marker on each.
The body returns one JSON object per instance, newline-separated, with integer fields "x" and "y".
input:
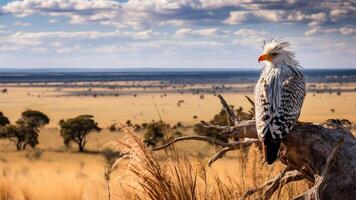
{"x": 117, "y": 164}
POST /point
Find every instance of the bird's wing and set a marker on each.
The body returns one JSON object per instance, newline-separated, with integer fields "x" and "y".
{"x": 263, "y": 107}
{"x": 279, "y": 121}
{"x": 292, "y": 98}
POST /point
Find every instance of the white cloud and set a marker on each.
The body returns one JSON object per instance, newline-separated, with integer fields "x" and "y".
{"x": 249, "y": 33}
{"x": 52, "y": 21}
{"x": 81, "y": 35}
{"x": 249, "y": 37}
{"x": 39, "y": 50}
{"x": 7, "y": 48}
{"x": 148, "y": 13}
{"x": 237, "y": 17}
{"x": 348, "y": 30}
{"x": 210, "y": 32}
{"x": 321, "y": 30}
{"x": 20, "y": 23}
{"x": 65, "y": 42}
{"x": 317, "y": 19}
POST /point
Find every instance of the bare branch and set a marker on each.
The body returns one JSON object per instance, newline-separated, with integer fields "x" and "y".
{"x": 212, "y": 140}
{"x": 285, "y": 177}
{"x": 219, "y": 155}
{"x": 230, "y": 112}
{"x": 195, "y": 137}
{"x": 279, "y": 183}
{"x": 244, "y": 129}
{"x": 251, "y": 101}
{"x": 237, "y": 145}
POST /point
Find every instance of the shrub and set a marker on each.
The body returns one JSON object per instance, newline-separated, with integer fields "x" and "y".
{"x": 128, "y": 123}
{"x": 3, "y": 119}
{"x": 154, "y": 133}
{"x": 158, "y": 132}
{"x": 114, "y": 128}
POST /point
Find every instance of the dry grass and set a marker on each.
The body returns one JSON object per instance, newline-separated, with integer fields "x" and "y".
{"x": 187, "y": 178}
{"x": 108, "y": 110}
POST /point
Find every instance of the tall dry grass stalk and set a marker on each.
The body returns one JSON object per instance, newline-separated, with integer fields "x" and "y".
{"x": 6, "y": 190}
{"x": 182, "y": 178}
{"x": 175, "y": 179}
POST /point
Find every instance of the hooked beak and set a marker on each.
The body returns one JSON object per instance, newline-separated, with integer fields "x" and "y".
{"x": 264, "y": 57}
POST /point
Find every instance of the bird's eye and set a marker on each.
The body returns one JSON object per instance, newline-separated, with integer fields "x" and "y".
{"x": 274, "y": 54}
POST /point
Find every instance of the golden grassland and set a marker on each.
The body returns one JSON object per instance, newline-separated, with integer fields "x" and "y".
{"x": 51, "y": 171}
{"x": 143, "y": 107}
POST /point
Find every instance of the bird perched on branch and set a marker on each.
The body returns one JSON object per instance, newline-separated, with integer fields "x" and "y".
{"x": 279, "y": 95}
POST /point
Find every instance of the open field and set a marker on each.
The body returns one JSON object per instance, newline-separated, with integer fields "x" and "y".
{"x": 140, "y": 105}
{"x": 51, "y": 171}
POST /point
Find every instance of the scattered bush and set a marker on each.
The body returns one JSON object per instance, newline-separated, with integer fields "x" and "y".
{"x": 178, "y": 125}
{"x": 110, "y": 156}
{"x": 128, "y": 123}
{"x": 137, "y": 127}
{"x": 157, "y": 132}
{"x": 154, "y": 133}
{"x": 114, "y": 128}
{"x": 3, "y": 119}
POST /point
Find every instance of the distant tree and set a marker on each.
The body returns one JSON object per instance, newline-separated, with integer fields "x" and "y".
{"x": 3, "y": 119}
{"x": 34, "y": 118}
{"x": 25, "y": 131}
{"x": 77, "y": 129}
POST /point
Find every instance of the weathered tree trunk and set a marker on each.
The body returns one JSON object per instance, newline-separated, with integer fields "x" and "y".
{"x": 80, "y": 147}
{"x": 324, "y": 156}
{"x": 307, "y": 149}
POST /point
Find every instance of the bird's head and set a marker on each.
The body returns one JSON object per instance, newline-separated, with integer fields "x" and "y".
{"x": 276, "y": 52}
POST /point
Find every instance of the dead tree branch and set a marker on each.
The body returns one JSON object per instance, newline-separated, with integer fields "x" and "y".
{"x": 230, "y": 112}
{"x": 286, "y": 176}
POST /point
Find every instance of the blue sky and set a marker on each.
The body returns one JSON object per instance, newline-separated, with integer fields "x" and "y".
{"x": 173, "y": 34}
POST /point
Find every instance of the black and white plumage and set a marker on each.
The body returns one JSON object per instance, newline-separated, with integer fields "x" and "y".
{"x": 279, "y": 95}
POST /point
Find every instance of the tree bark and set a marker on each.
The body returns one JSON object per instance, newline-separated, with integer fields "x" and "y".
{"x": 81, "y": 147}
{"x": 307, "y": 149}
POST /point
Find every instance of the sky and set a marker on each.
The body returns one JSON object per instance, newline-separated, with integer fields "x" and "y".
{"x": 173, "y": 33}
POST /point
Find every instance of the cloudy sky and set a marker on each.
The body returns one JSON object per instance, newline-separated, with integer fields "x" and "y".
{"x": 173, "y": 33}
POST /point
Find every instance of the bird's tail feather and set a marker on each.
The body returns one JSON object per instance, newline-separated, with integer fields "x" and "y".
{"x": 271, "y": 148}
